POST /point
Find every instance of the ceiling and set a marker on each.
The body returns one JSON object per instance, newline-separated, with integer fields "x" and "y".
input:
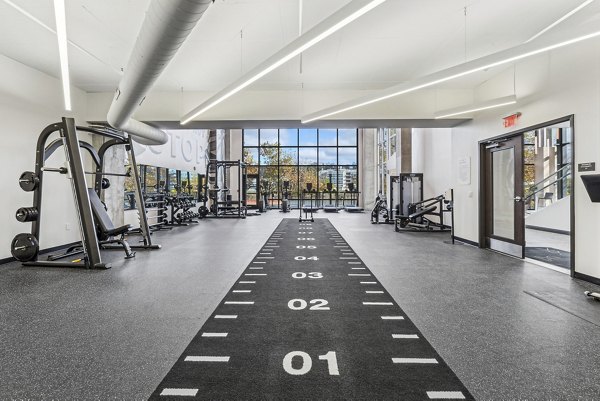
{"x": 398, "y": 41}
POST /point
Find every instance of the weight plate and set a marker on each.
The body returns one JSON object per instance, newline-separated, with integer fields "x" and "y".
{"x": 28, "y": 181}
{"x": 24, "y": 247}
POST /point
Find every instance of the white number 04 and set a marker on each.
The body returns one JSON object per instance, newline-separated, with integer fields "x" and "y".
{"x": 306, "y": 366}
{"x": 305, "y": 258}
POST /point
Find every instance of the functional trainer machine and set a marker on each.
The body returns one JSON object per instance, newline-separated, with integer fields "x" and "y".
{"x": 350, "y": 200}
{"x": 332, "y": 206}
{"x": 405, "y": 189}
{"x": 308, "y": 193}
{"x": 285, "y": 200}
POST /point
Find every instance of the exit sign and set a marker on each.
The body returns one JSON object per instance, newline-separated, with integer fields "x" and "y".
{"x": 511, "y": 121}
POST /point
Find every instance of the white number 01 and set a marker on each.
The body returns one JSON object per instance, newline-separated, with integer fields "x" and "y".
{"x": 306, "y": 366}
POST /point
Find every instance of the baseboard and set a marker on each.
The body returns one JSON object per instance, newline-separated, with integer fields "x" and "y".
{"x": 585, "y": 277}
{"x": 466, "y": 241}
{"x": 550, "y": 230}
{"x": 42, "y": 251}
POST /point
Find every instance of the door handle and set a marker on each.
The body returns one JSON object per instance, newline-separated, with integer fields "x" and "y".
{"x": 518, "y": 199}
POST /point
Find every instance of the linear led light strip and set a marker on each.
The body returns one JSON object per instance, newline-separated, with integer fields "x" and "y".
{"x": 504, "y": 101}
{"x": 561, "y": 19}
{"x": 61, "y": 34}
{"x": 481, "y": 64}
{"x": 49, "y": 29}
{"x": 326, "y": 28}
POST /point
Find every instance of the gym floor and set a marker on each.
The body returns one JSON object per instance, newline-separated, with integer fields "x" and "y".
{"x": 508, "y": 329}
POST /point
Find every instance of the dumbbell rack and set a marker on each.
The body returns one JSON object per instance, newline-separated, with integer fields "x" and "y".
{"x": 156, "y": 211}
{"x": 181, "y": 210}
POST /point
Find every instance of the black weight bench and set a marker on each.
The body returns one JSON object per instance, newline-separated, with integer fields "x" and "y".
{"x": 107, "y": 232}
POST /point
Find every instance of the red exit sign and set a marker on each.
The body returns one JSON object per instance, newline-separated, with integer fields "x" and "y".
{"x": 511, "y": 121}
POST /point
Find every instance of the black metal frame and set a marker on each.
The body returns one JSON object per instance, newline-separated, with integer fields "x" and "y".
{"x": 571, "y": 119}
{"x": 299, "y": 166}
{"x": 212, "y": 200}
{"x": 68, "y": 135}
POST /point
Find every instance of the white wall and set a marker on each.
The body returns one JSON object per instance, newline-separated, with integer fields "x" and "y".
{"x": 29, "y": 101}
{"x": 555, "y": 216}
{"x": 431, "y": 155}
{"x": 550, "y": 86}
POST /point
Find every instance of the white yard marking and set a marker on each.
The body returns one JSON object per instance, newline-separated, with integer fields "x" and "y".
{"x": 214, "y": 334}
{"x": 359, "y": 275}
{"x": 180, "y": 392}
{"x": 392, "y": 317}
{"x": 445, "y": 395}
{"x": 368, "y": 282}
{"x": 377, "y": 303}
{"x": 405, "y": 336}
{"x": 206, "y": 359}
{"x": 355, "y": 263}
{"x": 265, "y": 257}
{"x": 226, "y": 316}
{"x": 415, "y": 360}
{"x": 242, "y": 291}
{"x": 256, "y": 268}
{"x": 258, "y": 263}
{"x": 239, "y": 302}
{"x": 358, "y": 268}
{"x": 373, "y": 292}
{"x": 347, "y": 258}
{"x": 247, "y": 282}
{"x": 255, "y": 274}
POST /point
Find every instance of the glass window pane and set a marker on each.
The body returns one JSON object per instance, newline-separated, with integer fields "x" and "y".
{"x": 566, "y": 154}
{"x": 503, "y": 188}
{"x": 288, "y": 156}
{"x": 268, "y": 156}
{"x": 347, "y": 175}
{"x": 308, "y": 155}
{"x": 268, "y": 137}
{"x": 328, "y": 175}
{"x": 151, "y": 179}
{"x": 172, "y": 181}
{"x": 529, "y": 138}
{"x": 252, "y": 170}
{"x": 347, "y": 137}
{"x": 328, "y": 155}
{"x": 289, "y": 174}
{"x": 250, "y": 137}
{"x": 288, "y": 137}
{"x": 528, "y": 154}
{"x": 308, "y": 175}
{"x": 251, "y": 156}
{"x": 308, "y": 137}
{"x": 347, "y": 156}
{"x": 327, "y": 137}
{"x": 269, "y": 180}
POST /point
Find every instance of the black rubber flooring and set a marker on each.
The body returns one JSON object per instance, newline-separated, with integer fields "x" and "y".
{"x": 552, "y": 256}
{"x": 307, "y": 320}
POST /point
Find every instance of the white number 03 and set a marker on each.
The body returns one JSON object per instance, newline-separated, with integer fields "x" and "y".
{"x": 306, "y": 364}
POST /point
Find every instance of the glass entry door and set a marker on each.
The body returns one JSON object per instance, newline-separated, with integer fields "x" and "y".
{"x": 504, "y": 206}
{"x": 252, "y": 191}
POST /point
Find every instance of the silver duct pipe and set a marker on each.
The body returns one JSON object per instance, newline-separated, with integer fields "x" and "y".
{"x": 166, "y": 26}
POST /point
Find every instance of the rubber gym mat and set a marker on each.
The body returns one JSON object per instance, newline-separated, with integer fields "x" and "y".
{"x": 307, "y": 320}
{"x": 552, "y": 256}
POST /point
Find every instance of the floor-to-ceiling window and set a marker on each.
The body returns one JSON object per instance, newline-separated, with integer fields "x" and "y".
{"x": 301, "y": 156}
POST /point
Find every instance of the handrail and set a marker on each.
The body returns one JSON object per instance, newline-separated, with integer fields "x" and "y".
{"x": 546, "y": 186}
{"x": 566, "y": 167}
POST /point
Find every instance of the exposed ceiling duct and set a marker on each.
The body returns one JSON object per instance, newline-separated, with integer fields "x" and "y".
{"x": 166, "y": 26}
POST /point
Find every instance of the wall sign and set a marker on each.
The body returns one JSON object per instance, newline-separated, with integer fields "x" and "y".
{"x": 464, "y": 171}
{"x": 184, "y": 150}
{"x": 511, "y": 121}
{"x": 583, "y": 167}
